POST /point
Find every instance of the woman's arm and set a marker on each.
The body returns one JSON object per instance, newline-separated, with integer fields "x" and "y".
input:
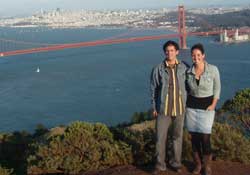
{"x": 216, "y": 83}
{"x": 216, "y": 89}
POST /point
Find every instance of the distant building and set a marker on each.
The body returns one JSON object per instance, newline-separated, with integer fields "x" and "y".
{"x": 225, "y": 38}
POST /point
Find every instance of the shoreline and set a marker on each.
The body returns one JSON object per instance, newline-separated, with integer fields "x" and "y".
{"x": 172, "y": 29}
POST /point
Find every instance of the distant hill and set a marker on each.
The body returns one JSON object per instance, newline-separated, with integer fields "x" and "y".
{"x": 205, "y": 22}
{"x": 226, "y": 20}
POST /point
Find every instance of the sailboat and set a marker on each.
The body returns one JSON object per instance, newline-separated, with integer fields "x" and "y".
{"x": 38, "y": 70}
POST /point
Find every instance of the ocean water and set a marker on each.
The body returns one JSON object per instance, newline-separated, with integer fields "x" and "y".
{"x": 95, "y": 84}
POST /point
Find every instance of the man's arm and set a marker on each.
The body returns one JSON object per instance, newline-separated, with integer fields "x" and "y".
{"x": 154, "y": 84}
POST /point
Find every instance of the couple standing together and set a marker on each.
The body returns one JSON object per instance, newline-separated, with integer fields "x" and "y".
{"x": 184, "y": 94}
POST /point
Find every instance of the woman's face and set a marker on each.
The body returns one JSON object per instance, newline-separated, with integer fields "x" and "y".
{"x": 197, "y": 56}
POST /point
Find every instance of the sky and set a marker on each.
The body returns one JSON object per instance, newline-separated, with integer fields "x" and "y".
{"x": 26, "y": 7}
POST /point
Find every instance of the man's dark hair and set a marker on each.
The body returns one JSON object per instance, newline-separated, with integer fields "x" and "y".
{"x": 198, "y": 46}
{"x": 170, "y": 43}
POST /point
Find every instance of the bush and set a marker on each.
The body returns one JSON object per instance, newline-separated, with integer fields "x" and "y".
{"x": 229, "y": 143}
{"x": 142, "y": 143}
{"x": 4, "y": 171}
{"x": 139, "y": 117}
{"x": 13, "y": 147}
{"x": 142, "y": 138}
{"x": 186, "y": 146}
{"x": 240, "y": 104}
{"x": 40, "y": 130}
{"x": 236, "y": 112}
{"x": 82, "y": 147}
{"x": 240, "y": 122}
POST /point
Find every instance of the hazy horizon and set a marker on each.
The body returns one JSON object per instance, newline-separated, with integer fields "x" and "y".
{"x": 28, "y": 7}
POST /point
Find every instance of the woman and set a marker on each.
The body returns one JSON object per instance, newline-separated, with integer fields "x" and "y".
{"x": 203, "y": 82}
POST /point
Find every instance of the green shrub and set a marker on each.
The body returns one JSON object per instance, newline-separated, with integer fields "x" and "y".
{"x": 186, "y": 146}
{"x": 230, "y": 144}
{"x": 240, "y": 122}
{"x": 142, "y": 138}
{"x": 240, "y": 104}
{"x": 227, "y": 142}
{"x": 236, "y": 112}
{"x": 4, "y": 171}
{"x": 82, "y": 147}
{"x": 139, "y": 117}
{"x": 13, "y": 148}
{"x": 40, "y": 130}
{"x": 142, "y": 143}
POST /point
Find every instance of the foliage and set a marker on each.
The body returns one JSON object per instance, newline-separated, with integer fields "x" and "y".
{"x": 13, "y": 148}
{"x": 82, "y": 147}
{"x": 236, "y": 112}
{"x": 230, "y": 144}
{"x": 142, "y": 143}
{"x": 227, "y": 143}
{"x": 240, "y": 104}
{"x": 139, "y": 117}
{"x": 186, "y": 146}
{"x": 40, "y": 130}
{"x": 4, "y": 171}
{"x": 142, "y": 138}
{"x": 240, "y": 122}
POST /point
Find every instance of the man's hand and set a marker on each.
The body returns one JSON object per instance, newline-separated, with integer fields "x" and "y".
{"x": 155, "y": 113}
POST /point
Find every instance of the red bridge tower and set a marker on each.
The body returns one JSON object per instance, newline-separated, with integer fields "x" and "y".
{"x": 182, "y": 27}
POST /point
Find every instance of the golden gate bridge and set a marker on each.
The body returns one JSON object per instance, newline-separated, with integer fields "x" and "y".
{"x": 182, "y": 35}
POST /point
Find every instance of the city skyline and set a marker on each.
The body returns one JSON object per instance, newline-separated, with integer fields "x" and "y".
{"x": 27, "y": 7}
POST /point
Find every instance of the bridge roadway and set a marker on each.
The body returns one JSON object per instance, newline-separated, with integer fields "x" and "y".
{"x": 112, "y": 41}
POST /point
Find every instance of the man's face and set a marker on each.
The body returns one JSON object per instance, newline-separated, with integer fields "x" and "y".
{"x": 171, "y": 53}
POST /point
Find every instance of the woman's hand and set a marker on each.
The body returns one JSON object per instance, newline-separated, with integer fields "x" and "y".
{"x": 211, "y": 108}
{"x": 155, "y": 113}
{"x": 213, "y": 105}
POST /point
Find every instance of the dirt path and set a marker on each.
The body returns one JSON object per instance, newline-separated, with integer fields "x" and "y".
{"x": 218, "y": 167}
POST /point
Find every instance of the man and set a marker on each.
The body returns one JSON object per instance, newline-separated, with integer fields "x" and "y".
{"x": 168, "y": 95}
